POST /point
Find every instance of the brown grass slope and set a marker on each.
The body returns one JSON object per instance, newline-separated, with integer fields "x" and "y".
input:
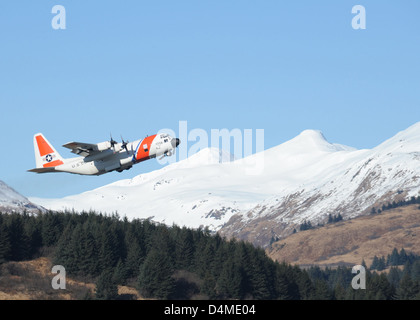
{"x": 31, "y": 280}
{"x": 349, "y": 242}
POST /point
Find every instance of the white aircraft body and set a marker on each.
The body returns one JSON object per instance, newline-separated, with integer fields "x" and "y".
{"x": 103, "y": 157}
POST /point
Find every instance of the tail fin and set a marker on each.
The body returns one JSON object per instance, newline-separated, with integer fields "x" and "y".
{"x": 45, "y": 154}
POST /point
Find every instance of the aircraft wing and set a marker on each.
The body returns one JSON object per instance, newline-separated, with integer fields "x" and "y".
{"x": 87, "y": 149}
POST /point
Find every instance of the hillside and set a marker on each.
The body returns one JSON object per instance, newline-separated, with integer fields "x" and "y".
{"x": 349, "y": 242}
{"x": 11, "y": 200}
{"x": 31, "y": 280}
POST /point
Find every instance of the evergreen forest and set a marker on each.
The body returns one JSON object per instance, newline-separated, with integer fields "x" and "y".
{"x": 179, "y": 263}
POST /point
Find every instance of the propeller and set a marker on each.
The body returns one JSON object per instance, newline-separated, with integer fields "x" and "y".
{"x": 124, "y": 144}
{"x": 112, "y": 141}
{"x": 166, "y": 154}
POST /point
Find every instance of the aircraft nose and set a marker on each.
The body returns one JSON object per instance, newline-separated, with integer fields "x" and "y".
{"x": 175, "y": 142}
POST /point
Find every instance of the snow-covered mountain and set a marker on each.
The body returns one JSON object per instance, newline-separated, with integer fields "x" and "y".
{"x": 11, "y": 200}
{"x": 269, "y": 193}
{"x": 331, "y": 179}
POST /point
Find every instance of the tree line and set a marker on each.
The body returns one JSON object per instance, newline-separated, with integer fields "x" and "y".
{"x": 178, "y": 263}
{"x": 307, "y": 225}
{"x": 396, "y": 204}
{"x": 394, "y": 259}
{"x": 400, "y": 282}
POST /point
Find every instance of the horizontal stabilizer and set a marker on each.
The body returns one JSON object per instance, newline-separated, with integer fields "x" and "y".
{"x": 42, "y": 170}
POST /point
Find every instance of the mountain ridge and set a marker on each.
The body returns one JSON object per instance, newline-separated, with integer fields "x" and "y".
{"x": 11, "y": 200}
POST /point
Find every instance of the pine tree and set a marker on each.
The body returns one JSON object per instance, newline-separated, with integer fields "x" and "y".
{"x": 120, "y": 274}
{"x": 306, "y": 225}
{"x": 135, "y": 256}
{"x": 381, "y": 264}
{"x": 205, "y": 258}
{"x": 63, "y": 254}
{"x": 379, "y": 288}
{"x": 375, "y": 263}
{"x": 106, "y": 288}
{"x": 394, "y": 258}
{"x": 32, "y": 229}
{"x": 229, "y": 284}
{"x": 184, "y": 250}
{"x": 108, "y": 249}
{"x": 88, "y": 255}
{"x": 209, "y": 285}
{"x": 74, "y": 250}
{"x": 339, "y": 292}
{"x": 403, "y": 257}
{"x": 305, "y": 285}
{"x": 282, "y": 284}
{"x": 295, "y": 279}
{"x": 415, "y": 270}
{"x": 408, "y": 289}
{"x": 260, "y": 275}
{"x": 51, "y": 228}
{"x": 394, "y": 276}
{"x": 155, "y": 276}
{"x": 5, "y": 246}
{"x": 321, "y": 292}
{"x": 19, "y": 242}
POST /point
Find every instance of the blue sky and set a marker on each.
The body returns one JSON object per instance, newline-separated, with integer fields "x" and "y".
{"x": 135, "y": 67}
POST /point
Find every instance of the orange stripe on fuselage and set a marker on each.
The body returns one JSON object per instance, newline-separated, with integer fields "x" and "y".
{"x": 144, "y": 148}
{"x": 53, "y": 164}
{"x": 43, "y": 146}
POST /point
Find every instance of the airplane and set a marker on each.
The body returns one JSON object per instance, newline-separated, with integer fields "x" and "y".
{"x": 103, "y": 157}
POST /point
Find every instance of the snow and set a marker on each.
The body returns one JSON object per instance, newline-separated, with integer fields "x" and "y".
{"x": 11, "y": 200}
{"x": 305, "y": 178}
{"x": 8, "y": 195}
